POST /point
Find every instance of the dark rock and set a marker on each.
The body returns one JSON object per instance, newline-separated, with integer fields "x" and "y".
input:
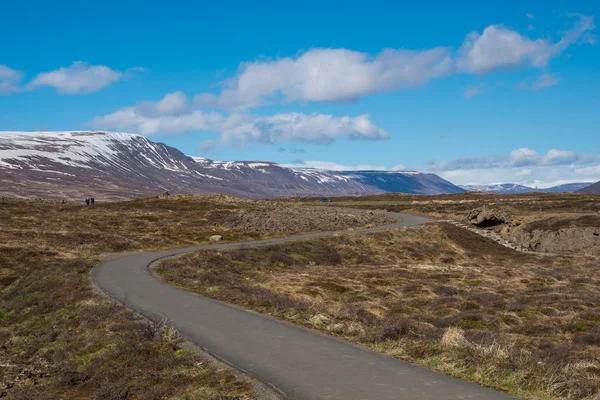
{"x": 485, "y": 217}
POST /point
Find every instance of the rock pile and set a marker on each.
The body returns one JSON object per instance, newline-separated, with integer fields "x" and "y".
{"x": 484, "y": 217}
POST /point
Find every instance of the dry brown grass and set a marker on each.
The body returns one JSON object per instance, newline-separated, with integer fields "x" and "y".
{"x": 532, "y": 205}
{"x": 565, "y": 223}
{"x": 178, "y": 221}
{"x": 60, "y": 339}
{"x": 556, "y": 222}
{"x": 438, "y": 295}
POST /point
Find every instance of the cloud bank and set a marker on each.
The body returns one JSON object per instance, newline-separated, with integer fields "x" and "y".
{"x": 338, "y": 74}
{"x": 525, "y": 165}
{"x": 523, "y": 157}
{"x": 174, "y": 114}
{"x": 542, "y": 82}
{"x": 9, "y": 80}
{"x": 328, "y": 75}
{"x": 344, "y": 75}
{"x": 78, "y": 78}
{"x": 500, "y": 47}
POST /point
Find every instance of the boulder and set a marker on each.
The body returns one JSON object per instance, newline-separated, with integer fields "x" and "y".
{"x": 484, "y": 217}
{"x": 215, "y": 238}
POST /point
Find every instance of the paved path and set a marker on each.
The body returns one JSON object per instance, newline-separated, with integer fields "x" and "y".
{"x": 301, "y": 363}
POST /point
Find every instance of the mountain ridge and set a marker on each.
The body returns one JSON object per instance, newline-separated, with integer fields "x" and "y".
{"x": 118, "y": 165}
{"x": 514, "y": 188}
{"x": 593, "y": 188}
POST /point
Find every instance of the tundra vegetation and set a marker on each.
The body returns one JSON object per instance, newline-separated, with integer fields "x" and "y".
{"x": 61, "y": 339}
{"x": 437, "y": 295}
{"x": 565, "y": 223}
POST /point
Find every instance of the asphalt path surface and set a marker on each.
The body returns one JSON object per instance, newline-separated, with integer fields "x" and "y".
{"x": 298, "y": 362}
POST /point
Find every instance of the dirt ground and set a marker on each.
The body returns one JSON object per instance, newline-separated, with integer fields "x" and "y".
{"x": 265, "y": 219}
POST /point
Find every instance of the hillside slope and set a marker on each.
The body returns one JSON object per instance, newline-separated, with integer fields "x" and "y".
{"x": 113, "y": 165}
{"x": 594, "y": 188}
{"x": 513, "y": 188}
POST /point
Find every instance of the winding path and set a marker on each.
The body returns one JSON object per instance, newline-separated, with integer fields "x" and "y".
{"x": 299, "y": 362}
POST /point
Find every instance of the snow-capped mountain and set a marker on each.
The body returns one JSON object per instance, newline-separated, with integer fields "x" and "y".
{"x": 506, "y": 188}
{"x": 404, "y": 181}
{"x": 513, "y": 188}
{"x": 112, "y": 165}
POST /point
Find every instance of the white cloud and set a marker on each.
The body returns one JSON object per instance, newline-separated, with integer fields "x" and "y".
{"x": 559, "y": 157}
{"x": 554, "y": 167}
{"x": 78, "y": 78}
{"x": 173, "y": 115}
{"x": 498, "y": 47}
{"x": 342, "y": 74}
{"x": 170, "y": 115}
{"x": 519, "y": 158}
{"x": 544, "y": 81}
{"x": 131, "y": 120}
{"x": 9, "y": 80}
{"x": 529, "y": 15}
{"x": 564, "y": 157}
{"x": 580, "y": 33}
{"x": 329, "y": 75}
{"x": 243, "y": 129}
{"x": 541, "y": 177}
{"x": 466, "y": 163}
{"x": 474, "y": 90}
{"x": 523, "y": 157}
{"x": 330, "y": 166}
{"x": 175, "y": 103}
{"x": 590, "y": 171}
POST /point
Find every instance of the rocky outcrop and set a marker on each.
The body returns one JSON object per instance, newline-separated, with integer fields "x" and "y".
{"x": 484, "y": 217}
{"x": 578, "y": 240}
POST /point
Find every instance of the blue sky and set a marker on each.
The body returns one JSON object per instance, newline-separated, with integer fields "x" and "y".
{"x": 477, "y": 92}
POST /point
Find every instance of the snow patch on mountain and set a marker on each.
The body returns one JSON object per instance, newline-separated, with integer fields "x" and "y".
{"x": 320, "y": 175}
{"x": 514, "y": 188}
{"x": 124, "y": 165}
{"x": 82, "y": 149}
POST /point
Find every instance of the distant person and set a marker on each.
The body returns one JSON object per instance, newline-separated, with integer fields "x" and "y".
{"x": 87, "y": 202}
{"x": 93, "y": 201}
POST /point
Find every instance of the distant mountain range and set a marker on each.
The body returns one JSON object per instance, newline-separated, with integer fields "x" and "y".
{"x": 403, "y": 181}
{"x": 111, "y": 165}
{"x": 512, "y": 188}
